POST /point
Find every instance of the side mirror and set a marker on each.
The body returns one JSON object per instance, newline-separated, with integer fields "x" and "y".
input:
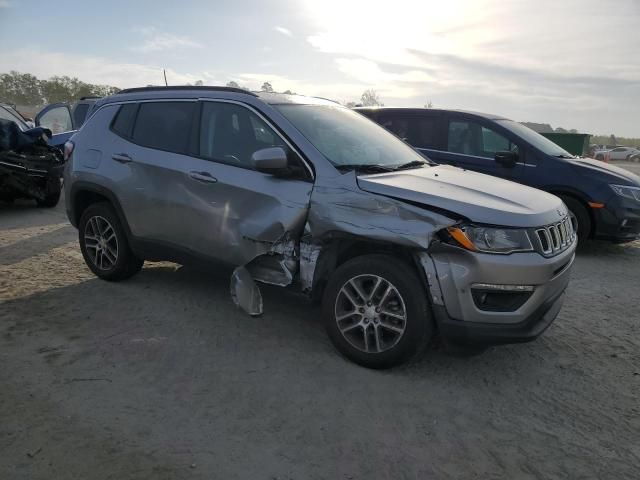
{"x": 506, "y": 158}
{"x": 272, "y": 160}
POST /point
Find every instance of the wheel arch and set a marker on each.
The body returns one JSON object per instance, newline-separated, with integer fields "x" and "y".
{"x": 85, "y": 194}
{"x": 564, "y": 192}
{"x": 337, "y": 250}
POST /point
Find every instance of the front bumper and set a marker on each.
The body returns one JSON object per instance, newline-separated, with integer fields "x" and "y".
{"x": 618, "y": 221}
{"x": 453, "y": 273}
{"x": 471, "y": 333}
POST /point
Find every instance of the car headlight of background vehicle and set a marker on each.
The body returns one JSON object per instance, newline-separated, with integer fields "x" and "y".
{"x": 490, "y": 239}
{"x": 628, "y": 192}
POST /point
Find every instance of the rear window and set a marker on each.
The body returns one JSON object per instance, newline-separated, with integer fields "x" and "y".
{"x": 164, "y": 125}
{"x": 123, "y": 123}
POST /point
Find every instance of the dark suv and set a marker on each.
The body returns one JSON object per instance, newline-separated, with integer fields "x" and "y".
{"x": 604, "y": 200}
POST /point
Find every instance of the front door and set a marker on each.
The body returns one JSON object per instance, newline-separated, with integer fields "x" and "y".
{"x": 57, "y": 118}
{"x": 473, "y": 145}
{"x": 239, "y": 213}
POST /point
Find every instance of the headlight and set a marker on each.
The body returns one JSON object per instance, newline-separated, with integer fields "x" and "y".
{"x": 628, "y": 192}
{"x": 491, "y": 240}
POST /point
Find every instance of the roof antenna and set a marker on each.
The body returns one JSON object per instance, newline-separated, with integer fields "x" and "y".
{"x": 164, "y": 72}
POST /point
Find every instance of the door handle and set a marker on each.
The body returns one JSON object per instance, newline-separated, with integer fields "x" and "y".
{"x": 204, "y": 177}
{"x": 122, "y": 158}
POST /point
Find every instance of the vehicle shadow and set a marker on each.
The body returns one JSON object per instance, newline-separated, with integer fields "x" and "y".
{"x": 168, "y": 309}
{"x": 18, "y": 246}
{"x": 26, "y": 214}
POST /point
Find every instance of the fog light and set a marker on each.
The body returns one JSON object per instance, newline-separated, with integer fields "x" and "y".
{"x": 500, "y": 298}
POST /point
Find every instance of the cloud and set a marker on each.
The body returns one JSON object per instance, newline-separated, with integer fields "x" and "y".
{"x": 99, "y": 70}
{"x": 506, "y": 57}
{"x": 284, "y": 31}
{"x": 334, "y": 90}
{"x": 5, "y": 4}
{"x": 155, "y": 40}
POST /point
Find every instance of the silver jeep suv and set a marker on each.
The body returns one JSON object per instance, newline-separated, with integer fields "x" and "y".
{"x": 299, "y": 191}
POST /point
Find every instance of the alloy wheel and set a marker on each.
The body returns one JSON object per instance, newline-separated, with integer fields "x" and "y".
{"x": 370, "y": 313}
{"x": 101, "y": 243}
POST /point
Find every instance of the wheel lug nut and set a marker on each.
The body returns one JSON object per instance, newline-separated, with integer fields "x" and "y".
{"x": 368, "y": 304}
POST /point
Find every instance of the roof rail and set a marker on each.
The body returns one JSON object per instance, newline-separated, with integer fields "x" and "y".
{"x": 186, "y": 87}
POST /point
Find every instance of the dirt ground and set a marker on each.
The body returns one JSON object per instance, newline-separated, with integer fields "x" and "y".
{"x": 161, "y": 377}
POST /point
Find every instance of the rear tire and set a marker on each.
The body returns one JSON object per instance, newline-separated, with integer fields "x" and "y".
{"x": 104, "y": 244}
{"x": 580, "y": 217}
{"x": 53, "y": 189}
{"x": 376, "y": 312}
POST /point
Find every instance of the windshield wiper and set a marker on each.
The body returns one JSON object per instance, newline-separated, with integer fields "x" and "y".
{"x": 366, "y": 167}
{"x": 412, "y": 164}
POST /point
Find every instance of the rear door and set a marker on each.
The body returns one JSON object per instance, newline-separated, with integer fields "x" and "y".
{"x": 422, "y": 130}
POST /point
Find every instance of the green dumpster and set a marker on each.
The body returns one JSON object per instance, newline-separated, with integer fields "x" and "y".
{"x": 575, "y": 143}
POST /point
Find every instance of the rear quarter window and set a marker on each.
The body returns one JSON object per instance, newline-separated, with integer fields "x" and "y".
{"x": 79, "y": 114}
{"x": 123, "y": 121}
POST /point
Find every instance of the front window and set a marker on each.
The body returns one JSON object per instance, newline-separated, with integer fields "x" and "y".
{"x": 8, "y": 115}
{"x": 347, "y": 139}
{"x": 58, "y": 120}
{"x": 230, "y": 134}
{"x": 471, "y": 138}
{"x": 538, "y": 141}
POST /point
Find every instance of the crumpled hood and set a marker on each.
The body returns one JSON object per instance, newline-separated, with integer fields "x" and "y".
{"x": 588, "y": 166}
{"x": 478, "y": 197}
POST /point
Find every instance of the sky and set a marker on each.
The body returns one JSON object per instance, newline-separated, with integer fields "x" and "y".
{"x": 569, "y": 63}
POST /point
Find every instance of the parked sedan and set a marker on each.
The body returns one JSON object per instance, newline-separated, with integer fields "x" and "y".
{"x": 621, "y": 153}
{"x": 604, "y": 200}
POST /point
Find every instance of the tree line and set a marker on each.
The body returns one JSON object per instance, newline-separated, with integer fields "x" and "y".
{"x": 26, "y": 89}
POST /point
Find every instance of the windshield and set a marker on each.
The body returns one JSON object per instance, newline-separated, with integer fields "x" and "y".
{"x": 534, "y": 138}
{"x": 347, "y": 139}
{"x": 7, "y": 114}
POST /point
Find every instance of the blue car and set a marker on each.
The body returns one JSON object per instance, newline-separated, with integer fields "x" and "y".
{"x": 603, "y": 200}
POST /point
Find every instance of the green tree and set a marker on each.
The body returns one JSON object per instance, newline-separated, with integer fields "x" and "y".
{"x": 266, "y": 87}
{"x": 370, "y": 98}
{"x": 20, "y": 88}
{"x": 233, "y": 84}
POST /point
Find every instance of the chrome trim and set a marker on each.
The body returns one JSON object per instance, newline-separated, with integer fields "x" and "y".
{"x": 207, "y": 99}
{"x": 556, "y": 237}
{"x": 503, "y": 288}
{"x": 491, "y": 159}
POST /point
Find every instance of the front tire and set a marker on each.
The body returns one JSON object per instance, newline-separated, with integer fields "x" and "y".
{"x": 376, "y": 312}
{"x": 580, "y": 218}
{"x": 104, "y": 244}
